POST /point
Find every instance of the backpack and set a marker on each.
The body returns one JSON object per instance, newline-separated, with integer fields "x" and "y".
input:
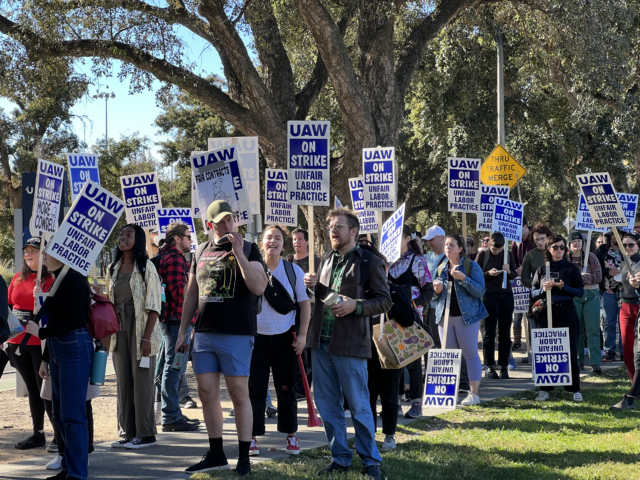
{"x": 246, "y": 249}
{"x": 467, "y": 266}
{"x": 163, "y": 297}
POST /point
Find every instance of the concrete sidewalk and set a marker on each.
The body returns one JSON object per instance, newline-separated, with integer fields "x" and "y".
{"x": 177, "y": 451}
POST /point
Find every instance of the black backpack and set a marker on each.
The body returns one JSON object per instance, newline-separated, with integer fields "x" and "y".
{"x": 246, "y": 249}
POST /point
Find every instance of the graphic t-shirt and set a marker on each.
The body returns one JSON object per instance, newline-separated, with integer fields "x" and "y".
{"x": 612, "y": 258}
{"x": 225, "y": 303}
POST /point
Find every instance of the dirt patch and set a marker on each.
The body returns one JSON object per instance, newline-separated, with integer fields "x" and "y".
{"x": 15, "y": 419}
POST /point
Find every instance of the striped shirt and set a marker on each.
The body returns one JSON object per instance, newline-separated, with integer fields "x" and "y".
{"x": 594, "y": 272}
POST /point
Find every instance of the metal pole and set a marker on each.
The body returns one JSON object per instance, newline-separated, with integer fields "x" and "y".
{"x": 501, "y": 132}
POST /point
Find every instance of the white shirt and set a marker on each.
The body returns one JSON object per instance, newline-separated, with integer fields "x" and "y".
{"x": 271, "y": 322}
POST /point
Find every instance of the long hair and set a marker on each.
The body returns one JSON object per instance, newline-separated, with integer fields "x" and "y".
{"x": 139, "y": 252}
{"x": 550, "y": 241}
{"x": 413, "y": 245}
{"x": 25, "y": 271}
{"x": 282, "y": 230}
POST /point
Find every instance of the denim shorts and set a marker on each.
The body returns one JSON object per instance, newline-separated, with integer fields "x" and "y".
{"x": 222, "y": 353}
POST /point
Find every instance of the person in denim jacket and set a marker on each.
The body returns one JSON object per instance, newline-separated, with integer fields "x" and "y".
{"x": 465, "y": 311}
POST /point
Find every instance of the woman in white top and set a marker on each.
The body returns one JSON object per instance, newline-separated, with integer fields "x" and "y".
{"x": 274, "y": 348}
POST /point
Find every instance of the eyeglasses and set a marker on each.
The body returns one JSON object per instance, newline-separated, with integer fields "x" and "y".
{"x": 557, "y": 247}
{"x": 629, "y": 245}
{"x": 336, "y": 227}
{"x": 485, "y": 240}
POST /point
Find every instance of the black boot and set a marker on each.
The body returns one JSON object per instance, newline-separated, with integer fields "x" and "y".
{"x": 627, "y": 403}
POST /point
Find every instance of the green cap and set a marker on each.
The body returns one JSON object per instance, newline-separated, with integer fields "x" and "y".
{"x": 218, "y": 210}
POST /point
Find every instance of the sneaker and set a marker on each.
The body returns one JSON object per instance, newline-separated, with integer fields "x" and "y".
{"x": 209, "y": 463}
{"x": 331, "y": 468}
{"x": 609, "y": 356}
{"x": 586, "y": 351}
{"x": 372, "y": 472}
{"x": 415, "y": 411}
{"x": 347, "y": 414}
{"x": 36, "y": 440}
{"x": 60, "y": 476}
{"x": 471, "y": 400}
{"x": 504, "y": 373}
{"x": 602, "y": 353}
{"x": 55, "y": 464}
{"x": 490, "y": 372}
{"x": 180, "y": 426}
{"x": 232, "y": 412}
{"x": 158, "y": 410}
{"x": 400, "y": 412}
{"x": 627, "y": 403}
{"x": 121, "y": 443}
{"x": 596, "y": 369}
{"x": 271, "y": 411}
{"x": 194, "y": 421}
{"x": 52, "y": 447}
{"x": 292, "y": 446}
{"x": 577, "y": 397}
{"x": 389, "y": 443}
{"x": 253, "y": 449}
{"x": 189, "y": 402}
{"x": 543, "y": 396}
{"x": 243, "y": 468}
{"x": 512, "y": 363}
{"x": 407, "y": 396}
{"x": 516, "y": 346}
{"x": 141, "y": 442}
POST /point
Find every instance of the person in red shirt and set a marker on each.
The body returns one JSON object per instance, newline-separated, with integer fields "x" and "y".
{"x": 21, "y": 301}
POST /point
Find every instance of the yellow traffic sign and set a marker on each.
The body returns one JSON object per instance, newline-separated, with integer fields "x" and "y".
{"x": 500, "y": 168}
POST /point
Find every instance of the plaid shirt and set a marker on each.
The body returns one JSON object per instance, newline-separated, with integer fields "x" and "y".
{"x": 174, "y": 272}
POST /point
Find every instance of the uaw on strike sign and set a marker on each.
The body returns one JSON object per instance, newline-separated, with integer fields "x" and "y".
{"x": 86, "y": 228}
{"x": 308, "y": 163}
{"x": 379, "y": 178}
{"x": 464, "y": 185}
{"x": 276, "y": 208}
{"x": 368, "y": 218}
{"x": 442, "y": 378}
{"x": 82, "y": 167}
{"x": 141, "y": 194}
{"x": 47, "y": 197}
{"x": 551, "y": 356}
{"x": 602, "y": 200}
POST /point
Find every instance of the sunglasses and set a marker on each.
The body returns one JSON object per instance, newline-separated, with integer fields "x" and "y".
{"x": 557, "y": 247}
{"x": 629, "y": 245}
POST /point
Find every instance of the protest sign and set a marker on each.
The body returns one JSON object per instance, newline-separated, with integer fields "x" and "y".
{"x": 629, "y": 204}
{"x": 336, "y": 202}
{"x": 308, "y": 152}
{"x": 47, "y": 197}
{"x": 86, "y": 228}
{"x": 221, "y": 183}
{"x": 500, "y": 168}
{"x": 484, "y": 219}
{"x": 391, "y": 237}
{"x": 551, "y": 357}
{"x": 368, "y": 218}
{"x": 141, "y": 193}
{"x": 276, "y": 208}
{"x": 464, "y": 185}
{"x": 249, "y": 162}
{"x": 167, "y": 216}
{"x": 583, "y": 217}
{"x": 442, "y": 379}
{"x": 520, "y": 296}
{"x": 195, "y": 206}
{"x": 379, "y": 180}
{"x": 602, "y": 201}
{"x": 82, "y": 167}
{"x": 507, "y": 218}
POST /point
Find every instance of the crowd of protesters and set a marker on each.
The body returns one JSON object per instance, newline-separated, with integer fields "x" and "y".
{"x": 245, "y": 312}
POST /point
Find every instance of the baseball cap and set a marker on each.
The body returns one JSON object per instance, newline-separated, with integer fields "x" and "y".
{"x": 218, "y": 210}
{"x": 32, "y": 242}
{"x": 575, "y": 235}
{"x": 470, "y": 241}
{"x": 433, "y": 232}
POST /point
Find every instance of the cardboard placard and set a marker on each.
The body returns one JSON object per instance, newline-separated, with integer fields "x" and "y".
{"x": 276, "y": 208}
{"x": 308, "y": 152}
{"x": 167, "y": 216}
{"x": 391, "y": 237}
{"x": 463, "y": 187}
{"x": 47, "y": 197}
{"x": 484, "y": 219}
{"x": 379, "y": 178}
{"x": 141, "y": 194}
{"x": 82, "y": 167}
{"x": 520, "y": 296}
{"x": 442, "y": 378}
{"x": 602, "y": 201}
{"x": 551, "y": 357}
{"x": 507, "y": 218}
{"x": 368, "y": 218}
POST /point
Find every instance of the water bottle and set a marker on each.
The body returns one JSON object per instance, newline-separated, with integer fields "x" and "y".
{"x": 163, "y": 296}
{"x": 99, "y": 365}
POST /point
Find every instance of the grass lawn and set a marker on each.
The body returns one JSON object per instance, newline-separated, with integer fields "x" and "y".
{"x": 509, "y": 438}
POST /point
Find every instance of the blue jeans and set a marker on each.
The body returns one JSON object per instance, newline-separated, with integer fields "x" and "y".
{"x": 517, "y": 320}
{"x": 333, "y": 376}
{"x": 70, "y": 360}
{"x": 171, "y": 378}
{"x": 611, "y": 313}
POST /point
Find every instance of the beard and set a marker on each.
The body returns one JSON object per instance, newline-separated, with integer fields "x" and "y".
{"x": 338, "y": 243}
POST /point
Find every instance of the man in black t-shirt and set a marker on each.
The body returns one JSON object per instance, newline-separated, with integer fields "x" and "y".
{"x": 223, "y": 286}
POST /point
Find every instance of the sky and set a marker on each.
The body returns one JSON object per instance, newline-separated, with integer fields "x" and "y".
{"x": 129, "y": 113}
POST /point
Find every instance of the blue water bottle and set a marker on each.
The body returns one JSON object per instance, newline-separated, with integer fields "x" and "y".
{"x": 163, "y": 296}
{"x": 99, "y": 365}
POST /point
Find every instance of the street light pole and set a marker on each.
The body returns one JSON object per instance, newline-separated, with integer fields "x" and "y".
{"x": 106, "y": 96}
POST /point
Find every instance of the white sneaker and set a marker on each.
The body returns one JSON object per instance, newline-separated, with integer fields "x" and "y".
{"x": 55, "y": 464}
{"x": 400, "y": 412}
{"x": 389, "y": 443}
{"x": 158, "y": 408}
{"x": 602, "y": 353}
{"x": 347, "y": 414}
{"x": 121, "y": 443}
{"x": 577, "y": 397}
{"x": 471, "y": 400}
{"x": 542, "y": 396}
